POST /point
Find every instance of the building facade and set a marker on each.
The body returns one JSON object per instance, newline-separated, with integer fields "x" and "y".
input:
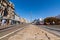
{"x": 7, "y": 11}
{"x": 22, "y": 20}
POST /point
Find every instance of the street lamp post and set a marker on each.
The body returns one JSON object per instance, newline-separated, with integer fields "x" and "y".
{"x": 31, "y": 16}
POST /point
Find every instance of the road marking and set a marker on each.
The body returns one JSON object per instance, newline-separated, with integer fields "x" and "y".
{"x": 11, "y": 33}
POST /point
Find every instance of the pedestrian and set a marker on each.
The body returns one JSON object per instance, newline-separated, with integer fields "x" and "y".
{"x": 3, "y": 22}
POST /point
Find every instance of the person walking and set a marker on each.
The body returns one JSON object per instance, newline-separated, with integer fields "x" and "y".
{"x": 3, "y": 22}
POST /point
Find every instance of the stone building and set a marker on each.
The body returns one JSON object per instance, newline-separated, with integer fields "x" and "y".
{"x": 22, "y": 20}
{"x": 7, "y": 11}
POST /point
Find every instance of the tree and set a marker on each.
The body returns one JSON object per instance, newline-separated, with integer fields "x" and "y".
{"x": 51, "y": 20}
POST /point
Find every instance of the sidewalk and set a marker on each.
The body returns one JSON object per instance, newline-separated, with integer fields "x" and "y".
{"x": 5, "y": 26}
{"x": 33, "y": 33}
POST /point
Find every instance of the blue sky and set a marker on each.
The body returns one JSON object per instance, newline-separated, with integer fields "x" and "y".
{"x": 36, "y": 8}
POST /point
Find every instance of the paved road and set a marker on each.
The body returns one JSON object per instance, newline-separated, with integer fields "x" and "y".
{"x": 55, "y": 31}
{"x": 12, "y": 30}
{"x": 6, "y": 33}
{"x": 32, "y": 32}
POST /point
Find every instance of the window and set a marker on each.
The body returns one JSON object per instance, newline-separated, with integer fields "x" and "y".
{"x": 5, "y": 12}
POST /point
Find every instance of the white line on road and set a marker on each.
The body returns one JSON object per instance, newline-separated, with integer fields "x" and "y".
{"x": 11, "y": 33}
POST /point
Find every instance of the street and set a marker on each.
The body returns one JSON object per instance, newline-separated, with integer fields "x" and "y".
{"x": 29, "y": 20}
{"x": 7, "y": 33}
{"x": 54, "y": 29}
